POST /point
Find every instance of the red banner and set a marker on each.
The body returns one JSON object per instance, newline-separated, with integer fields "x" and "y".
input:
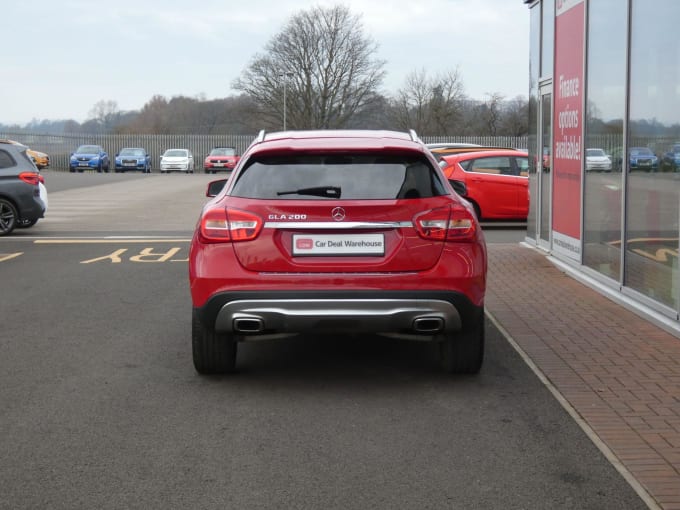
{"x": 568, "y": 126}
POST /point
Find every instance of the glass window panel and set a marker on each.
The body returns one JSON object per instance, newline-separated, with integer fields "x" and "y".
{"x": 546, "y": 163}
{"x": 605, "y": 110}
{"x": 548, "y": 38}
{"x": 534, "y": 70}
{"x": 653, "y": 179}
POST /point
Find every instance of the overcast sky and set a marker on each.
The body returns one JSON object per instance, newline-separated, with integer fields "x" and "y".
{"x": 61, "y": 57}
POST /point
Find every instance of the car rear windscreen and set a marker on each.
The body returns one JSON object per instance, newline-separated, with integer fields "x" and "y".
{"x": 338, "y": 176}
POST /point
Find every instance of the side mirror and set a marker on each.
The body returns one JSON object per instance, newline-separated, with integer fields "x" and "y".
{"x": 214, "y": 187}
{"x": 459, "y": 187}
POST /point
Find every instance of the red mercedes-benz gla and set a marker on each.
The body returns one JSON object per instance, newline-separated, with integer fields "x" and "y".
{"x": 337, "y": 231}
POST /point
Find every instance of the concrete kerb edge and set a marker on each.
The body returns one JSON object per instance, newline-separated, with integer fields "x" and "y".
{"x": 590, "y": 433}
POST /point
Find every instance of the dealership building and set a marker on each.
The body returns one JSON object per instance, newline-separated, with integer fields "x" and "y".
{"x": 604, "y": 144}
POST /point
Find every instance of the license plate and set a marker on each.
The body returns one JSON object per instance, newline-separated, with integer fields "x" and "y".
{"x": 219, "y": 164}
{"x": 83, "y": 164}
{"x": 338, "y": 244}
{"x": 129, "y": 164}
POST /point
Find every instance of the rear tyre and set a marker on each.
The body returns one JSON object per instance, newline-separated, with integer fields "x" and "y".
{"x": 213, "y": 353}
{"x": 8, "y": 217}
{"x": 463, "y": 352}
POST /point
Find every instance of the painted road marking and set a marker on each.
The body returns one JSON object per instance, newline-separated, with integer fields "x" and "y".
{"x": 146, "y": 255}
{"x": 8, "y": 256}
{"x": 107, "y": 240}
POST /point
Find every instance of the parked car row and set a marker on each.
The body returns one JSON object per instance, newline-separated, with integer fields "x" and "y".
{"x": 640, "y": 159}
{"x": 94, "y": 157}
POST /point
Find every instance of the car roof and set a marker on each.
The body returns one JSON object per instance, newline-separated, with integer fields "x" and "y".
{"x": 343, "y": 139}
{"x": 12, "y": 142}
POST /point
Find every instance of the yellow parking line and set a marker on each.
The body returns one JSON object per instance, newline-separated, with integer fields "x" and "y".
{"x": 7, "y": 256}
{"x": 110, "y": 241}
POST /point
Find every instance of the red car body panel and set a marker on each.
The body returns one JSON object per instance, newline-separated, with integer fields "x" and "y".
{"x": 499, "y": 192}
{"x": 215, "y": 269}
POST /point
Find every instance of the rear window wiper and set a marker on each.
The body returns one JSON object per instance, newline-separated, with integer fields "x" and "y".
{"x": 318, "y": 191}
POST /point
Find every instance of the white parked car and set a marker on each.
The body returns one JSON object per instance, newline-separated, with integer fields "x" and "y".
{"x": 597, "y": 161}
{"x": 177, "y": 160}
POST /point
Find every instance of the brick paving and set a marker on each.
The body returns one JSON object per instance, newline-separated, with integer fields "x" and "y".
{"x": 619, "y": 372}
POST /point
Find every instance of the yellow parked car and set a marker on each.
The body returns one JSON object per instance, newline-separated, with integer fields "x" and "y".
{"x": 40, "y": 159}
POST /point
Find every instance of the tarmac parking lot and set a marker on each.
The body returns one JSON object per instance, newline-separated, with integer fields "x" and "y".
{"x": 102, "y": 407}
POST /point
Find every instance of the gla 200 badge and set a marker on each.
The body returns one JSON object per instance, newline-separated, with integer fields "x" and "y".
{"x": 280, "y": 217}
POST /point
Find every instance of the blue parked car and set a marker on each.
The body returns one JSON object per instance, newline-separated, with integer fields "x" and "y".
{"x": 642, "y": 158}
{"x": 133, "y": 159}
{"x": 89, "y": 157}
{"x": 671, "y": 160}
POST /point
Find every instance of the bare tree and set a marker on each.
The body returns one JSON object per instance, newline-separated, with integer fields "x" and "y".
{"x": 105, "y": 114}
{"x": 515, "y": 121}
{"x": 491, "y": 112}
{"x": 153, "y": 117}
{"x": 323, "y": 63}
{"x": 431, "y": 106}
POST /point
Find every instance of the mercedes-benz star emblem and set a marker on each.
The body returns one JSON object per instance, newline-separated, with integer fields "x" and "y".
{"x": 338, "y": 214}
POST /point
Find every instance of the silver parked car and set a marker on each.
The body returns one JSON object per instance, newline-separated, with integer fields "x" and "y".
{"x": 177, "y": 160}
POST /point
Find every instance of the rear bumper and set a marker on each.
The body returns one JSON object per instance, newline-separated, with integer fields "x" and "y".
{"x": 408, "y": 314}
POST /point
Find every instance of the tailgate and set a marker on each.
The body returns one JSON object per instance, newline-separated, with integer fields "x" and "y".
{"x": 301, "y": 236}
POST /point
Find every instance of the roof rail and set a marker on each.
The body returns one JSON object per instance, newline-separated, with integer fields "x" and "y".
{"x": 413, "y": 134}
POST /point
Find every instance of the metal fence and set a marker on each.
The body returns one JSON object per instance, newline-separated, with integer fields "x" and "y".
{"x": 60, "y": 147}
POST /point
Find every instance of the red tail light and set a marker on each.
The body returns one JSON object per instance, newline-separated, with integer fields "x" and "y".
{"x": 30, "y": 178}
{"x": 220, "y": 225}
{"x": 454, "y": 223}
{"x": 41, "y": 179}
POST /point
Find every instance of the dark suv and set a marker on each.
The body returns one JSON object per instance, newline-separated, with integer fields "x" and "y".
{"x": 337, "y": 232}
{"x": 19, "y": 188}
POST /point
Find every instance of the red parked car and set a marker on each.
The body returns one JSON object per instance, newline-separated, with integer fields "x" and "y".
{"x": 337, "y": 232}
{"x": 497, "y": 182}
{"x": 220, "y": 159}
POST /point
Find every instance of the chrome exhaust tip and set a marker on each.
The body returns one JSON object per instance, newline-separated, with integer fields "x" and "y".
{"x": 248, "y": 325}
{"x": 428, "y": 324}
